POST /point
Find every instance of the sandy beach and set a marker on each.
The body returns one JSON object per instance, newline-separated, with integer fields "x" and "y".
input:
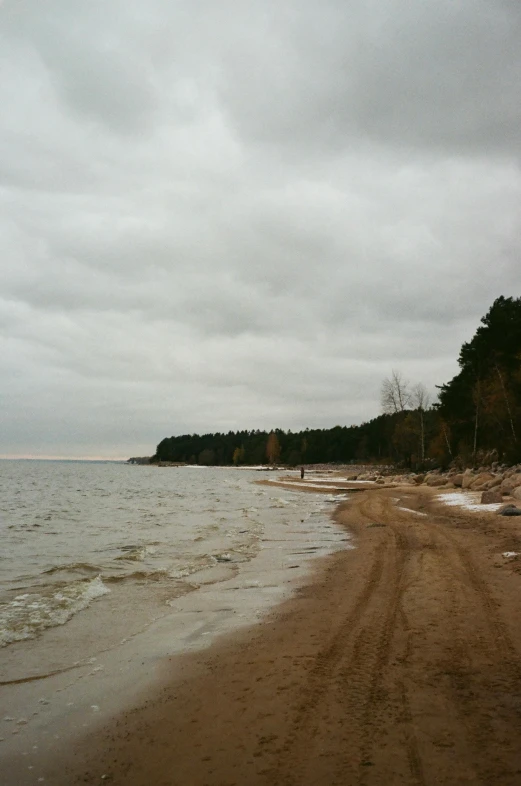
{"x": 397, "y": 663}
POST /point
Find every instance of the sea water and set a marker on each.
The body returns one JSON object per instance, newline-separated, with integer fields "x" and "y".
{"x": 73, "y": 532}
{"x": 105, "y": 567}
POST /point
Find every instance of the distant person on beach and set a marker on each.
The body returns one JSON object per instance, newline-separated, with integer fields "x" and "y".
{"x": 302, "y": 473}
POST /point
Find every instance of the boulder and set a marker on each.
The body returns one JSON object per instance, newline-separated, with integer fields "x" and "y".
{"x": 457, "y": 479}
{"x": 435, "y": 481}
{"x": 510, "y": 483}
{"x": 419, "y": 479}
{"x": 489, "y": 497}
{"x": 480, "y": 480}
{"x": 509, "y": 510}
{"x": 516, "y": 493}
{"x": 493, "y": 484}
{"x": 468, "y": 478}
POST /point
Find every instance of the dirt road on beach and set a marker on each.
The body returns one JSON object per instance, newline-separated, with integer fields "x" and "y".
{"x": 400, "y": 663}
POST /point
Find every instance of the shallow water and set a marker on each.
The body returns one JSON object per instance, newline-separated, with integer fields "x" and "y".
{"x": 73, "y": 534}
{"x": 105, "y": 569}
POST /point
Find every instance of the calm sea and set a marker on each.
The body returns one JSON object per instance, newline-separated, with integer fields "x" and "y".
{"x": 105, "y": 568}
{"x": 72, "y": 533}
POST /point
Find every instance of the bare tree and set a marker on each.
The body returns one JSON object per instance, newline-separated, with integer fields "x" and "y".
{"x": 420, "y": 401}
{"x": 395, "y": 394}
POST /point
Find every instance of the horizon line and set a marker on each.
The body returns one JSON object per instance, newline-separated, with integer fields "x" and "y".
{"x": 5, "y": 457}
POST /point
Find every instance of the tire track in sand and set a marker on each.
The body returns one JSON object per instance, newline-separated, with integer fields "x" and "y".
{"x": 345, "y": 684}
{"x": 292, "y": 763}
{"x": 484, "y": 667}
{"x": 376, "y": 705}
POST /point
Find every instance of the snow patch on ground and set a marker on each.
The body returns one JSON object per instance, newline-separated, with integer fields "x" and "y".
{"x": 312, "y": 479}
{"x": 255, "y": 466}
{"x": 470, "y": 500}
{"x": 305, "y": 485}
{"x": 410, "y": 510}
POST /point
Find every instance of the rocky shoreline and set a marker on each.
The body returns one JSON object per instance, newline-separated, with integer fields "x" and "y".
{"x": 497, "y": 483}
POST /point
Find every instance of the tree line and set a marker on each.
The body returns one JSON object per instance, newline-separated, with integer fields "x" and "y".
{"x": 476, "y": 417}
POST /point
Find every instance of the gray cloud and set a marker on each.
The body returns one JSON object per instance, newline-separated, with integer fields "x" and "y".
{"x": 441, "y": 76}
{"x": 244, "y": 215}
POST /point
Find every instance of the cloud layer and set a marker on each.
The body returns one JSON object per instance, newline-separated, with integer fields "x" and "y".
{"x": 239, "y": 215}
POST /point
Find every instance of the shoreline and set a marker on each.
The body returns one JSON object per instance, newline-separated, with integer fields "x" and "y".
{"x": 396, "y": 662}
{"x": 47, "y": 708}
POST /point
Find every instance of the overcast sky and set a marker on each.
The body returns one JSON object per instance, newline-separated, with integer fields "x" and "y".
{"x": 223, "y": 215}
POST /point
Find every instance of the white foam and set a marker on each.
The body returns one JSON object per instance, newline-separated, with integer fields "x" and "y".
{"x": 281, "y": 501}
{"x": 510, "y": 554}
{"x": 30, "y": 613}
{"x": 334, "y": 497}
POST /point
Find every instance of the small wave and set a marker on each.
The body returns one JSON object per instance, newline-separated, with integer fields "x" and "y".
{"x": 326, "y": 498}
{"x": 280, "y": 502}
{"x": 137, "y": 575}
{"x": 196, "y": 564}
{"x": 81, "y": 567}
{"x": 29, "y": 614}
{"x": 246, "y": 551}
{"x": 135, "y": 553}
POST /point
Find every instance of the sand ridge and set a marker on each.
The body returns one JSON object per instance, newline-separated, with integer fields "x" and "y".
{"x": 399, "y": 663}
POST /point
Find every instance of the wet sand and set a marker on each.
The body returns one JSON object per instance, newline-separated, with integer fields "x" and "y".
{"x": 398, "y": 663}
